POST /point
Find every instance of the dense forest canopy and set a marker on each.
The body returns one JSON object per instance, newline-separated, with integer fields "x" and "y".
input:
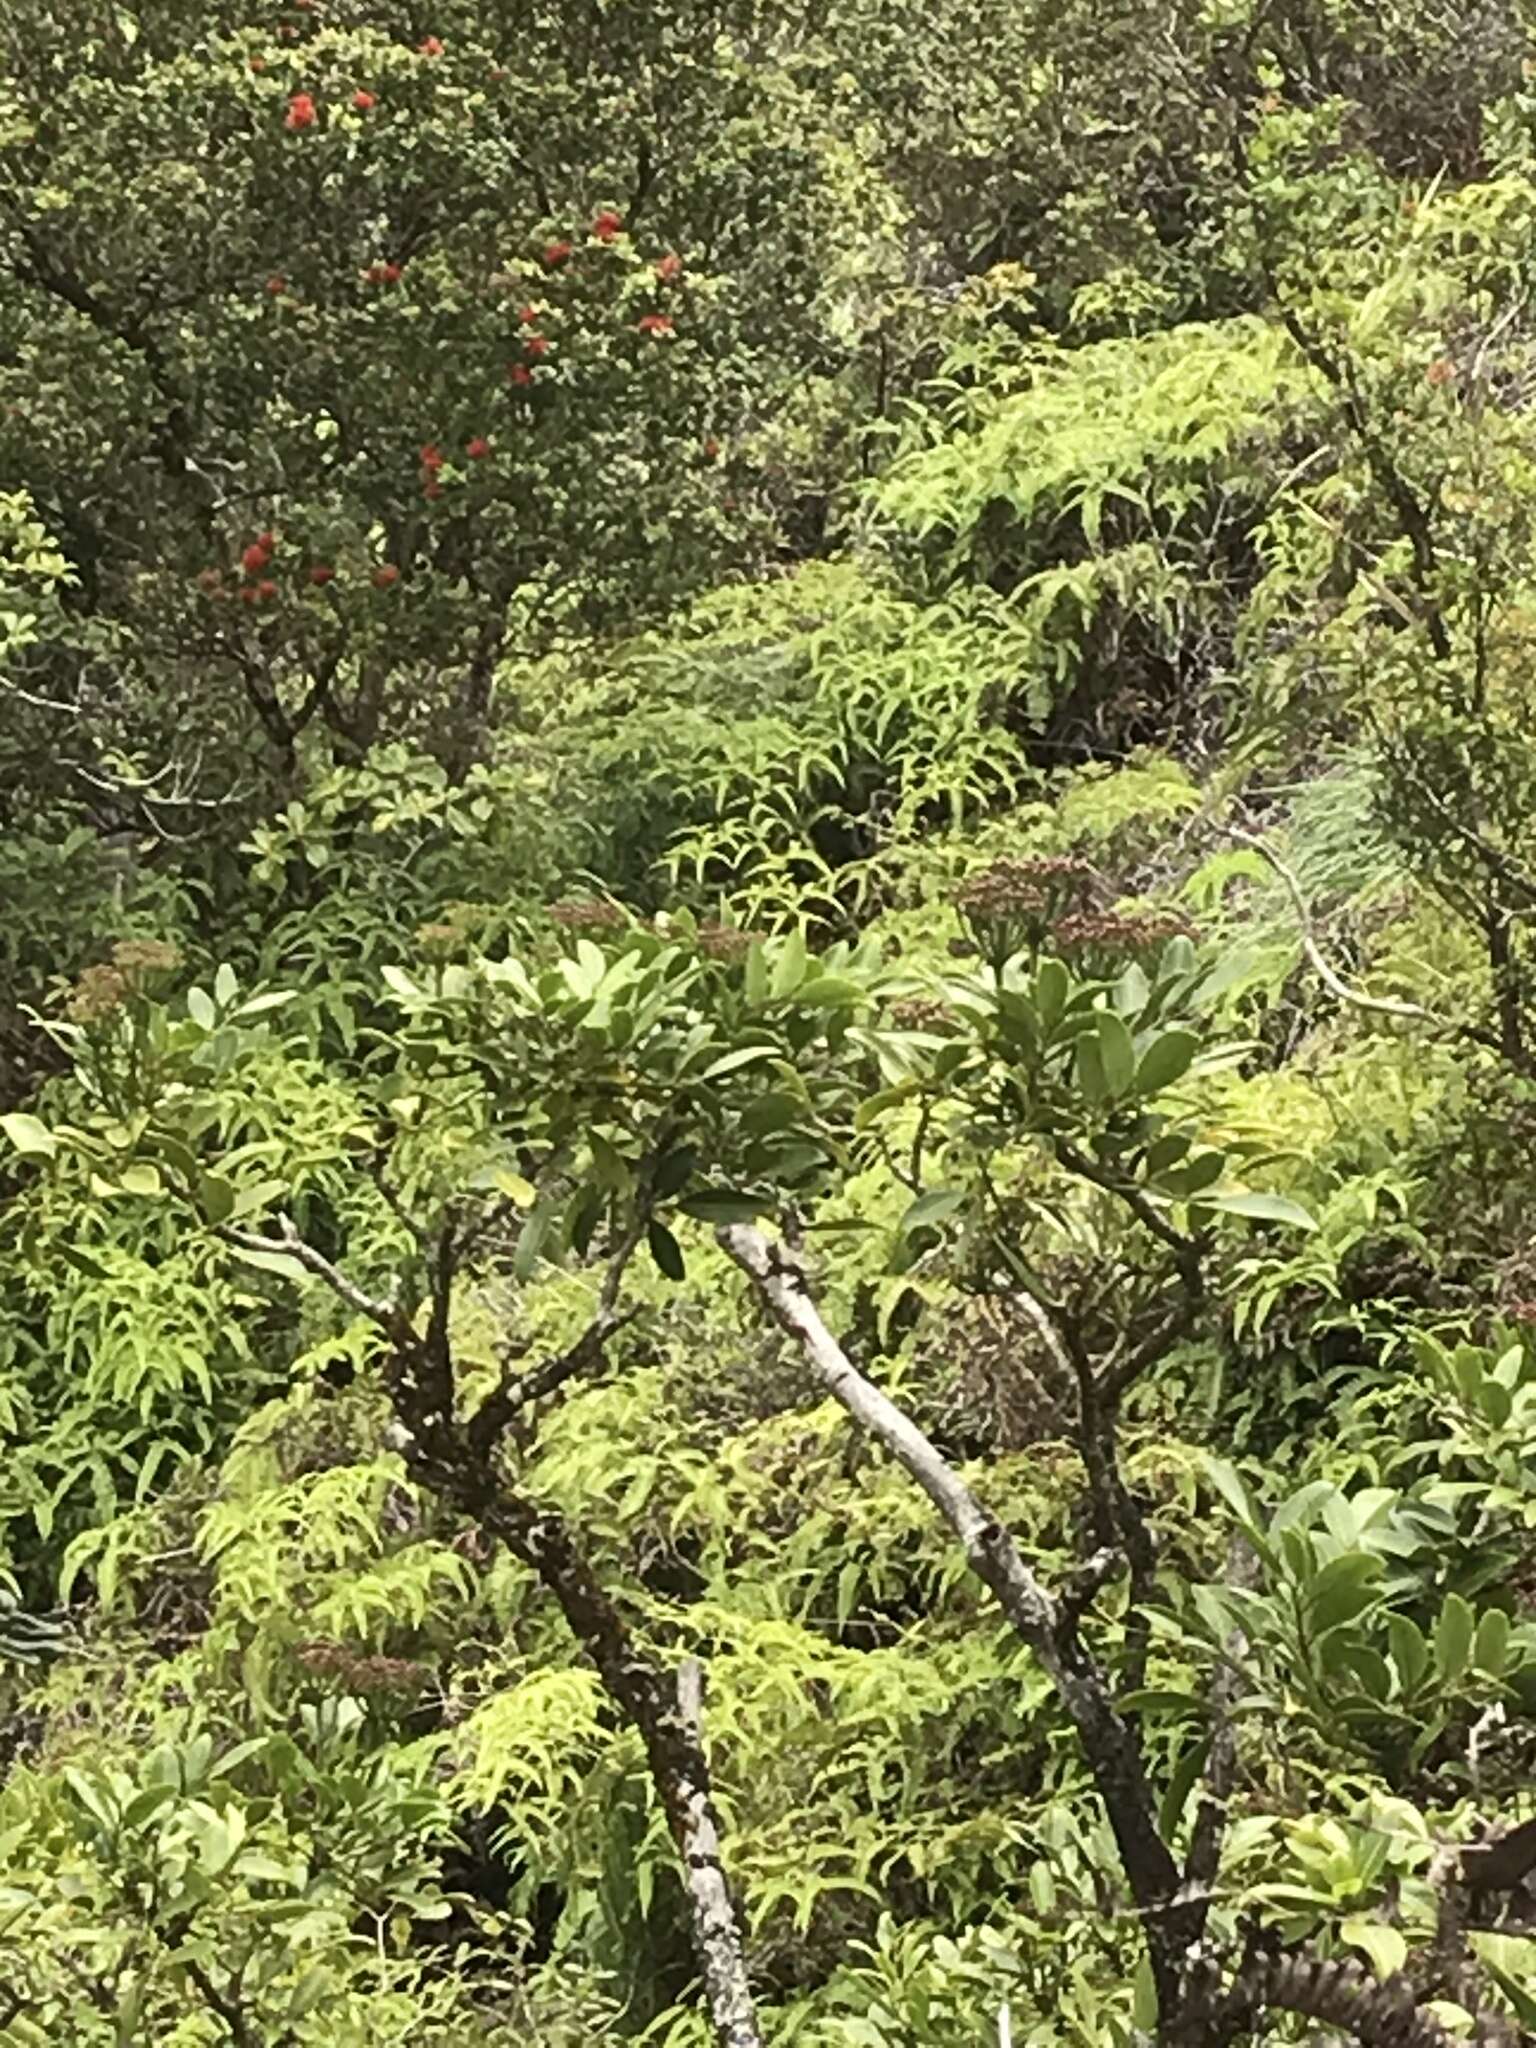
{"x": 767, "y": 1023}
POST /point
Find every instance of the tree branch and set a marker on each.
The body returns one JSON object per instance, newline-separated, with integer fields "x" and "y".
{"x": 1109, "y": 1744}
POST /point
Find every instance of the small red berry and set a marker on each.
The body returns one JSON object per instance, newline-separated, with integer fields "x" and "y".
{"x": 301, "y": 111}
{"x": 607, "y": 224}
{"x": 392, "y": 273}
{"x": 670, "y": 268}
{"x": 555, "y": 253}
{"x": 477, "y": 447}
{"x": 267, "y": 540}
{"x": 383, "y": 577}
{"x": 528, "y": 315}
{"x": 266, "y": 591}
{"x": 247, "y": 593}
{"x": 655, "y": 323}
{"x": 429, "y": 46}
{"x": 322, "y": 573}
{"x": 537, "y": 344}
{"x": 255, "y": 559}
{"x": 519, "y": 373}
{"x": 431, "y": 456}
{"x": 364, "y": 100}
{"x": 711, "y": 448}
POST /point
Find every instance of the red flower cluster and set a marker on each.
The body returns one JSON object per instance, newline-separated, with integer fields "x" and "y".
{"x": 537, "y": 344}
{"x": 364, "y": 100}
{"x": 383, "y": 273}
{"x": 385, "y": 576}
{"x": 528, "y": 315}
{"x": 670, "y": 268}
{"x": 654, "y": 323}
{"x": 477, "y": 447}
{"x": 429, "y": 46}
{"x": 431, "y": 456}
{"x": 556, "y": 253}
{"x": 607, "y": 224}
{"x": 276, "y": 285}
{"x": 519, "y": 373}
{"x": 321, "y": 574}
{"x": 256, "y": 557}
{"x": 301, "y": 111}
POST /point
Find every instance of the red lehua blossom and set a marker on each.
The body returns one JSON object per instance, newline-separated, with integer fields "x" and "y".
{"x": 670, "y": 268}
{"x": 528, "y": 315}
{"x": 431, "y": 456}
{"x": 429, "y": 46}
{"x": 537, "y": 344}
{"x": 392, "y": 273}
{"x": 364, "y": 100}
{"x": 607, "y": 224}
{"x": 654, "y": 323}
{"x": 267, "y": 540}
{"x": 301, "y": 111}
{"x": 266, "y": 591}
{"x": 276, "y": 285}
{"x": 519, "y": 373}
{"x": 477, "y": 447}
{"x": 255, "y": 559}
{"x": 383, "y": 577}
{"x": 322, "y": 573}
{"x": 555, "y": 253}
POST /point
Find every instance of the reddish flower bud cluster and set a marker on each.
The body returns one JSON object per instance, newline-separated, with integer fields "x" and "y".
{"x": 655, "y": 324}
{"x": 519, "y": 374}
{"x": 587, "y": 914}
{"x": 556, "y": 253}
{"x": 477, "y": 447}
{"x": 301, "y": 111}
{"x": 537, "y": 345}
{"x": 322, "y": 573}
{"x": 607, "y": 225}
{"x": 363, "y": 100}
{"x": 276, "y": 285}
{"x": 670, "y": 268}
{"x": 382, "y": 273}
{"x": 429, "y": 46}
{"x": 385, "y": 575}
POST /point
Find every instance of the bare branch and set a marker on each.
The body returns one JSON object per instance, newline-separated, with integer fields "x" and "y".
{"x": 1109, "y": 1744}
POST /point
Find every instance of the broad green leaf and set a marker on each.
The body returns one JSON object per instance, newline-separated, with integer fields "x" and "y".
{"x": 1453, "y": 1637}
{"x": 1117, "y": 1053}
{"x": 930, "y": 1209}
{"x": 665, "y": 1250}
{"x": 1166, "y": 1060}
{"x": 1385, "y": 1946}
{"x": 29, "y": 1135}
{"x": 788, "y": 967}
{"x": 1262, "y": 1208}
